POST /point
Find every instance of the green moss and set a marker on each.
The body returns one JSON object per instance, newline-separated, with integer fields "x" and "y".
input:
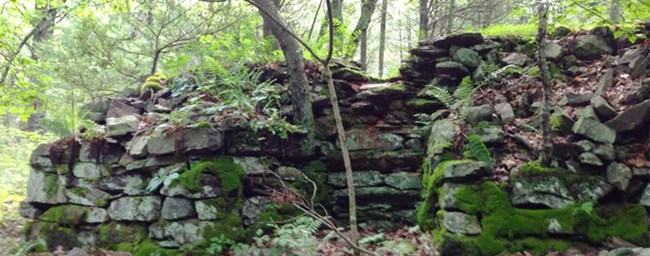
{"x": 149, "y": 248}
{"x": 315, "y": 166}
{"x": 393, "y": 88}
{"x": 230, "y": 174}
{"x": 119, "y": 234}
{"x": 431, "y": 182}
{"x": 420, "y": 102}
{"x": 506, "y": 228}
{"x": 66, "y": 215}
{"x": 55, "y": 235}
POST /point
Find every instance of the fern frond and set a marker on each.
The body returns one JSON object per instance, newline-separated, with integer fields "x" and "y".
{"x": 478, "y": 150}
{"x": 442, "y": 95}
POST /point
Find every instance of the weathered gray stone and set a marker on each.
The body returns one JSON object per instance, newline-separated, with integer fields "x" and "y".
{"x": 516, "y": 59}
{"x": 96, "y": 111}
{"x": 594, "y": 130}
{"x": 28, "y": 211}
{"x": 591, "y": 47}
{"x": 492, "y": 135}
{"x": 463, "y": 170}
{"x": 87, "y": 196}
{"x": 451, "y": 68}
{"x": 45, "y": 188}
{"x": 252, "y": 165}
{"x": 253, "y": 208}
{"x": 155, "y": 161}
{"x": 606, "y": 81}
{"x": 137, "y": 147}
{"x": 201, "y": 140}
{"x": 505, "y": 112}
{"x": 177, "y": 208}
{"x": 590, "y": 159}
{"x": 404, "y": 181}
{"x": 185, "y": 232}
{"x": 619, "y": 175}
{"x": 162, "y": 142}
{"x": 207, "y": 209}
{"x": 96, "y": 215}
{"x": 209, "y": 187}
{"x": 361, "y": 139}
{"x": 90, "y": 170}
{"x": 463, "y": 39}
{"x": 131, "y": 184}
{"x": 361, "y": 179}
{"x": 289, "y": 173}
{"x": 447, "y": 197}
{"x": 548, "y": 191}
{"x": 605, "y": 152}
{"x": 639, "y": 66}
{"x": 143, "y": 208}
{"x": 645, "y": 198}
{"x": 118, "y": 126}
{"x": 467, "y": 57}
{"x": 461, "y": 223}
{"x": 585, "y": 145}
{"x": 631, "y": 119}
{"x": 591, "y": 190}
{"x": 552, "y": 51}
{"x": 603, "y": 108}
{"x": 477, "y": 114}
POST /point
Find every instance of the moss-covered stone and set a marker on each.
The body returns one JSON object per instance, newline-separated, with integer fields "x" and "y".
{"x": 506, "y": 228}
{"x": 116, "y": 235}
{"x": 230, "y": 175}
{"x": 148, "y": 248}
{"x": 66, "y": 215}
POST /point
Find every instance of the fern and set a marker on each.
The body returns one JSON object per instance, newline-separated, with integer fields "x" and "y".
{"x": 478, "y": 150}
{"x": 442, "y": 95}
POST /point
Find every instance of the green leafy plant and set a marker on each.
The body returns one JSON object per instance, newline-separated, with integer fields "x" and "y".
{"x": 478, "y": 150}
{"x": 219, "y": 244}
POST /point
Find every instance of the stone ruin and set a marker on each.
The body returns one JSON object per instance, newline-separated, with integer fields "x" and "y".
{"x": 152, "y": 183}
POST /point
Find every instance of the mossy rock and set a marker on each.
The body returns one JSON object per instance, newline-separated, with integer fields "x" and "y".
{"x": 54, "y": 236}
{"x": 148, "y": 248}
{"x": 230, "y": 175}
{"x": 117, "y": 235}
{"x": 509, "y": 229}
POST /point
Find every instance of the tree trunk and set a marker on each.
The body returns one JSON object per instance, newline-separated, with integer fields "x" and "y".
{"x": 367, "y": 9}
{"x": 547, "y": 144}
{"x": 615, "y": 12}
{"x": 450, "y": 16}
{"x": 266, "y": 29}
{"x": 290, "y": 46}
{"x": 424, "y": 19}
{"x": 382, "y": 36}
{"x": 363, "y": 51}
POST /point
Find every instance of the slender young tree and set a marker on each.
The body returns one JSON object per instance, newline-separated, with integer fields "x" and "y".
{"x": 547, "y": 144}
{"x": 423, "y": 10}
{"x": 271, "y": 15}
{"x": 382, "y": 37}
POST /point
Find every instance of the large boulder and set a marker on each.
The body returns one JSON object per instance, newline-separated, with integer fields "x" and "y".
{"x": 464, "y": 39}
{"x": 590, "y": 47}
{"x": 552, "y": 51}
{"x": 361, "y": 139}
{"x": 632, "y": 119}
{"x": 45, "y": 188}
{"x": 361, "y": 179}
{"x": 467, "y": 57}
{"x": 546, "y": 191}
{"x": 594, "y": 130}
{"x": 118, "y": 126}
{"x": 619, "y": 175}
{"x": 142, "y": 208}
{"x": 460, "y": 223}
{"x": 177, "y": 208}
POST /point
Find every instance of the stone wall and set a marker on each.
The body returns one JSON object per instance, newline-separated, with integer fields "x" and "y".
{"x": 596, "y": 191}
{"x": 155, "y": 181}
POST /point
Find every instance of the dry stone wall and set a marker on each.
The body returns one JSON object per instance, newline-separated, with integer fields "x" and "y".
{"x": 155, "y": 182}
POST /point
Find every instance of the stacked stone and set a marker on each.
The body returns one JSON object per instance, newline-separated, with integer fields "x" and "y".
{"x": 447, "y": 60}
